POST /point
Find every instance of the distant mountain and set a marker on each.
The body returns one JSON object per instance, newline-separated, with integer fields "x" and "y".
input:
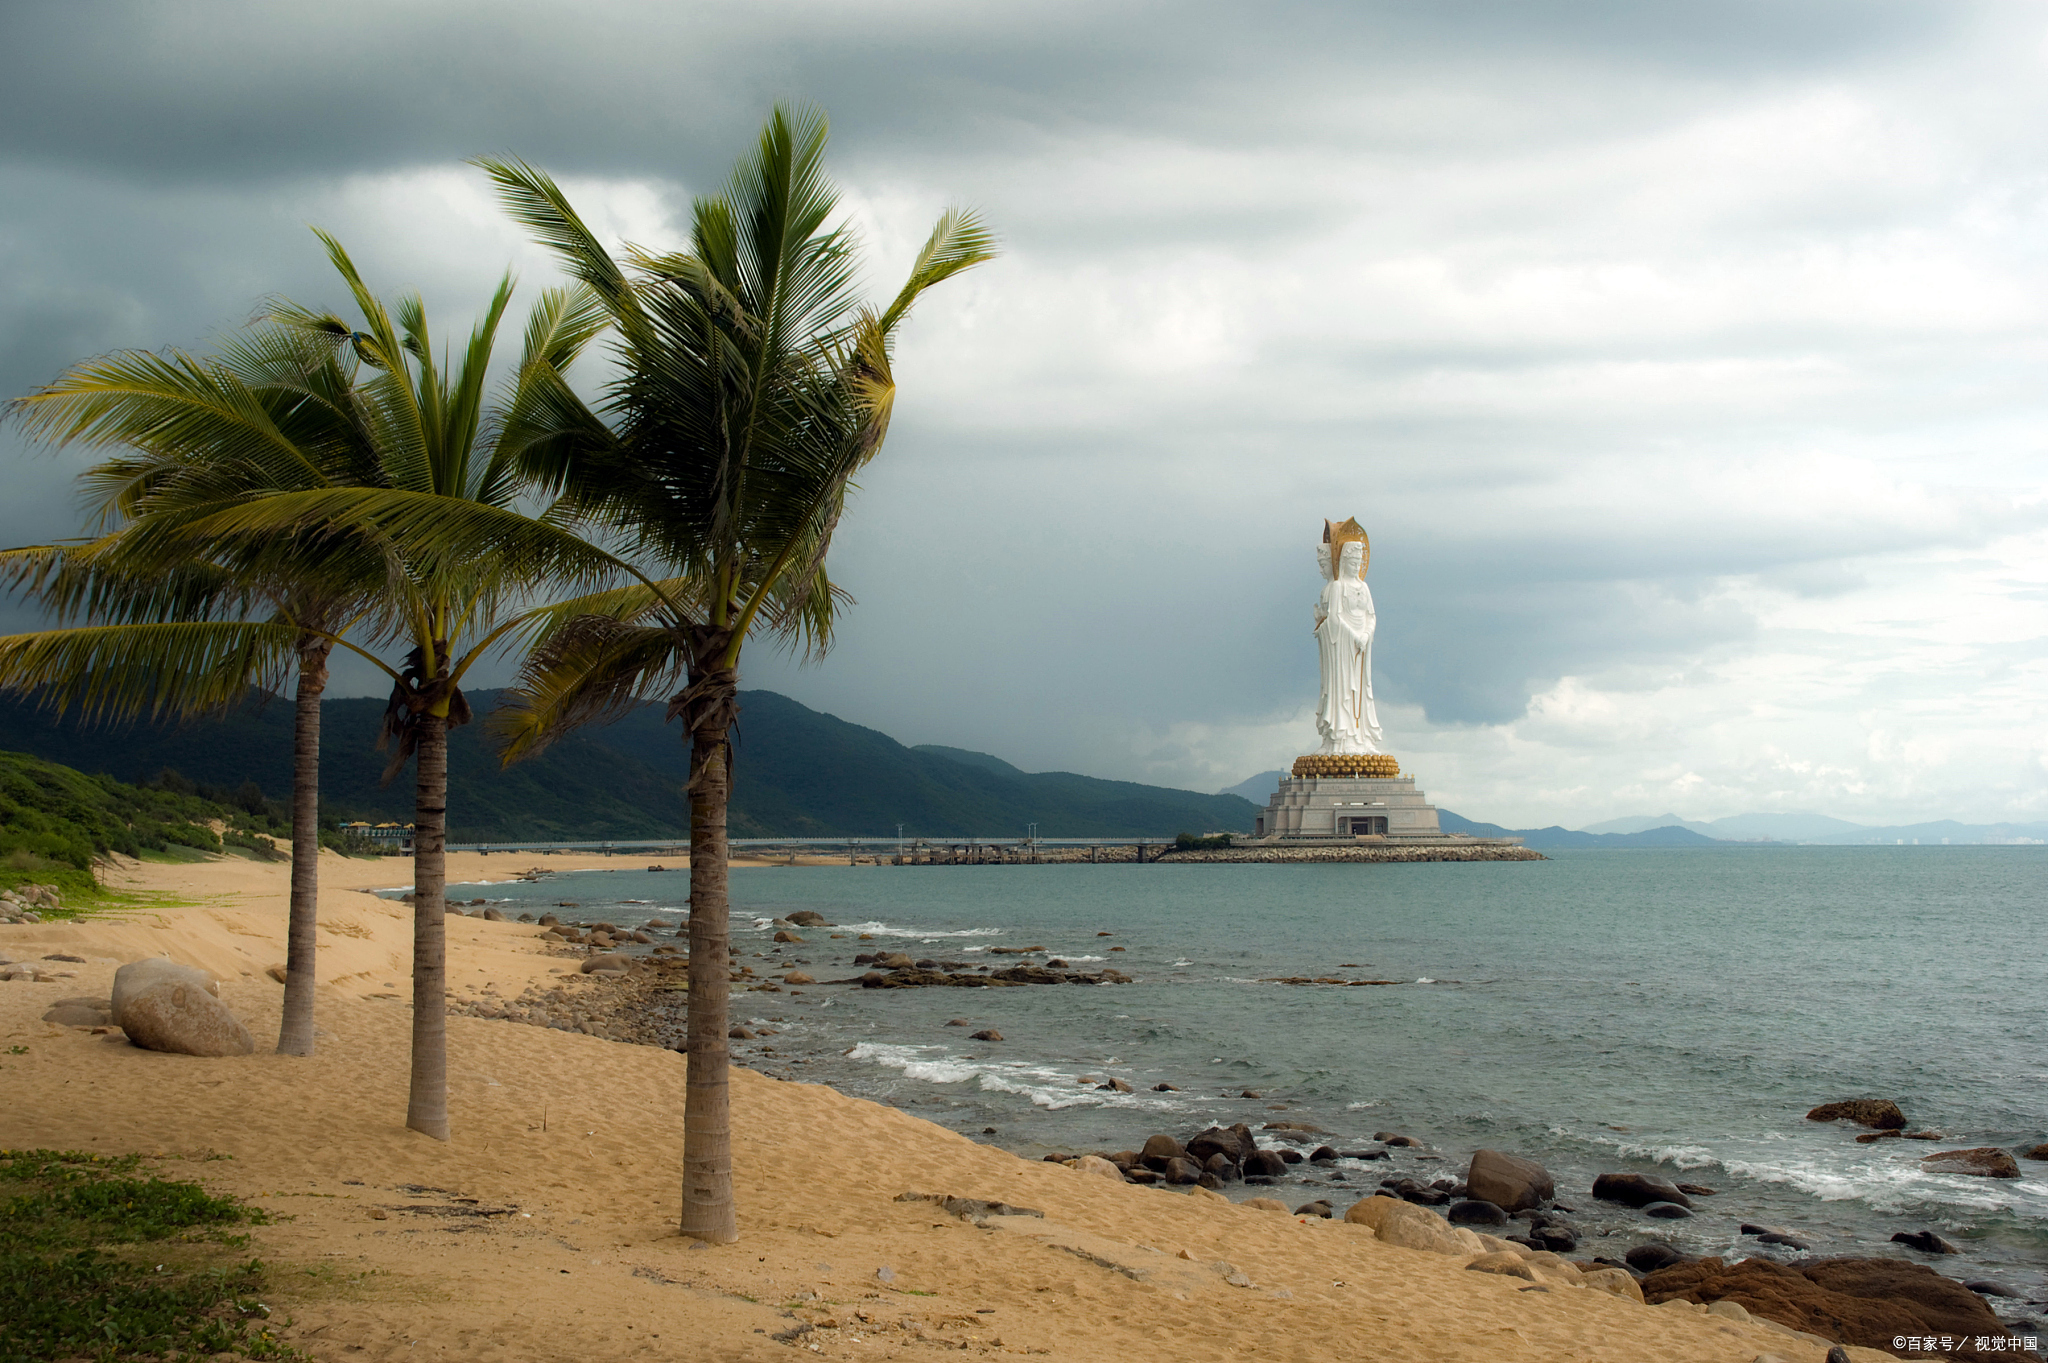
{"x": 1639, "y": 823}
{"x": 1794, "y": 826}
{"x": 1258, "y": 789}
{"x": 1941, "y": 831}
{"x": 797, "y": 773}
{"x": 1555, "y": 836}
{"x": 986, "y": 761}
{"x": 1802, "y": 826}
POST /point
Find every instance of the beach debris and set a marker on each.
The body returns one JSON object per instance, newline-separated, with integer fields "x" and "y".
{"x": 1638, "y": 1190}
{"x": 990, "y": 1034}
{"x": 1866, "y": 1302}
{"x": 1878, "y": 1113}
{"x": 1926, "y": 1241}
{"x": 1984, "y": 1161}
{"x": 165, "y": 1006}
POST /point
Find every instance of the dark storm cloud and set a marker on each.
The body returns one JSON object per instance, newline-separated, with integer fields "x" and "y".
{"x": 1620, "y": 324}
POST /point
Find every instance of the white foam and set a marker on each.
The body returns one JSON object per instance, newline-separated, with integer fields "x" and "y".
{"x": 880, "y": 929}
{"x": 1043, "y": 1086}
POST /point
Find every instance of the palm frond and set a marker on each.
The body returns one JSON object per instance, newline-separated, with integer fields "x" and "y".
{"x": 118, "y": 672}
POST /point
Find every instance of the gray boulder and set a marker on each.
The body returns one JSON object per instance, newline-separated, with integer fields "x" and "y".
{"x": 136, "y": 976}
{"x": 1508, "y": 1181}
{"x": 179, "y": 1016}
{"x": 1638, "y": 1190}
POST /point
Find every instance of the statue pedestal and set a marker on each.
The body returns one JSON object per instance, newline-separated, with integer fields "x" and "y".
{"x": 1344, "y": 809}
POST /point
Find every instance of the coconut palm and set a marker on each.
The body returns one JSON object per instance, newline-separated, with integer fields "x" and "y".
{"x": 753, "y": 385}
{"x": 171, "y": 634}
{"x": 311, "y": 494}
{"x": 439, "y": 502}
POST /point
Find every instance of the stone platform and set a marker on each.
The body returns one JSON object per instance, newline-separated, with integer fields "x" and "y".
{"x": 1353, "y": 810}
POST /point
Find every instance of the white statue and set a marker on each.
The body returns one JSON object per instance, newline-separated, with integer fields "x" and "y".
{"x": 1345, "y": 714}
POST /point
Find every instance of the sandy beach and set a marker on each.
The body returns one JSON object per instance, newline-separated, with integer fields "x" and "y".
{"x": 545, "y": 1229}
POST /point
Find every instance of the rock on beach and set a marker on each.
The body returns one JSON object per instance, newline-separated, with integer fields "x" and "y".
{"x": 1638, "y": 1190}
{"x": 1984, "y": 1161}
{"x": 164, "y": 1006}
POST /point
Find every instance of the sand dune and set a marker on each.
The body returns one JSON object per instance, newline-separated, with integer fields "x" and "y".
{"x": 545, "y": 1229}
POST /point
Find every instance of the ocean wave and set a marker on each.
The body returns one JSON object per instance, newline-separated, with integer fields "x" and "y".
{"x": 1044, "y": 1087}
{"x": 880, "y": 929}
{"x": 1683, "y": 1157}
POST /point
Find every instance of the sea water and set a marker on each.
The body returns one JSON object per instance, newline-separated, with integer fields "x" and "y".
{"x": 1674, "y": 1012}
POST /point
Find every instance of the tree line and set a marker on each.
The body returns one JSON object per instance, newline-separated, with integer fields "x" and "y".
{"x": 323, "y": 481}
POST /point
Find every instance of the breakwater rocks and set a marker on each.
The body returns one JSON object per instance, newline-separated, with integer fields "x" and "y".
{"x": 921, "y": 976}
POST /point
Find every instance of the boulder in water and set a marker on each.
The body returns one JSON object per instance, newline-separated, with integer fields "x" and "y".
{"x": 1985, "y": 1161}
{"x": 1477, "y": 1213}
{"x": 1508, "y": 1181}
{"x": 1878, "y": 1113}
{"x": 1638, "y": 1190}
{"x": 1926, "y": 1241}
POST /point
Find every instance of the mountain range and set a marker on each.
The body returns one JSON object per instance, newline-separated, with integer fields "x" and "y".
{"x": 797, "y": 773}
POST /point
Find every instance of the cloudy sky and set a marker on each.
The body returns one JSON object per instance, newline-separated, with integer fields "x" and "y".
{"x": 1688, "y": 364}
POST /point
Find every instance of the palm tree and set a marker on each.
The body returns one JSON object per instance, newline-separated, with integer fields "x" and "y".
{"x": 438, "y": 501}
{"x": 754, "y": 384}
{"x": 173, "y": 635}
{"x": 310, "y": 493}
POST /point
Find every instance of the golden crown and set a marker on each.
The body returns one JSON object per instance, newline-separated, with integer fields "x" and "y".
{"x": 1337, "y": 536}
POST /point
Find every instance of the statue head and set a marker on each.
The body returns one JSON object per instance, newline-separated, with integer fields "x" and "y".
{"x": 1323, "y": 560}
{"x": 1346, "y": 537}
{"x": 1351, "y": 565}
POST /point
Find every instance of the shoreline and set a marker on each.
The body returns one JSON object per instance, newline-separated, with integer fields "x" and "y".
{"x": 580, "y": 1137}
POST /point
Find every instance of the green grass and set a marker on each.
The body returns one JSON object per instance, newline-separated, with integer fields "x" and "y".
{"x": 77, "y": 1282}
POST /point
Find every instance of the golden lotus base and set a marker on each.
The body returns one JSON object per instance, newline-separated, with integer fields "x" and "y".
{"x": 1378, "y": 766}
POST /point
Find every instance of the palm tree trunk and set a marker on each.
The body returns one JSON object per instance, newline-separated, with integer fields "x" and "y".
{"x": 708, "y": 1212}
{"x": 295, "y": 1034}
{"x": 427, "y": 1109}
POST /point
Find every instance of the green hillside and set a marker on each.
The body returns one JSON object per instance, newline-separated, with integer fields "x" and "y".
{"x": 797, "y": 773}
{"x": 54, "y": 821}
